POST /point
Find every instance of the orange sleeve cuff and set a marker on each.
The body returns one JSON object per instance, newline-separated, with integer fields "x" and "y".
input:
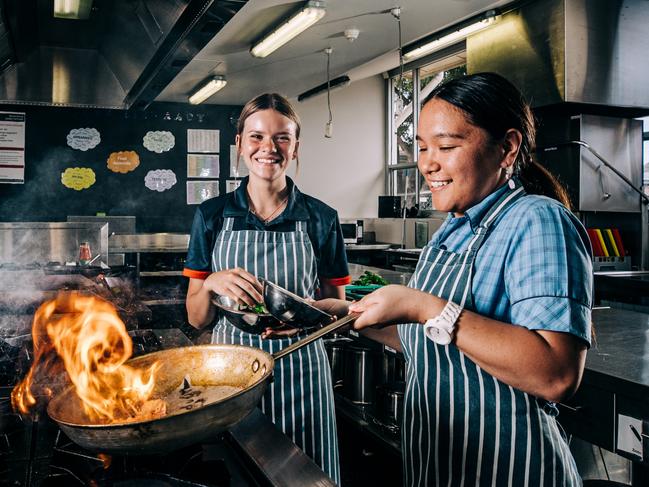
{"x": 191, "y": 273}
{"x": 337, "y": 281}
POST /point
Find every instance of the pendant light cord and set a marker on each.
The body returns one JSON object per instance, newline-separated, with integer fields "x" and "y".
{"x": 328, "y": 52}
{"x": 396, "y": 13}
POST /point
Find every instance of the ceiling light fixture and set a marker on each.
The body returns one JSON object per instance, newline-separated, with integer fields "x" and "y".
{"x": 208, "y": 89}
{"x": 333, "y": 84}
{"x": 72, "y": 9}
{"x": 309, "y": 14}
{"x": 436, "y": 42}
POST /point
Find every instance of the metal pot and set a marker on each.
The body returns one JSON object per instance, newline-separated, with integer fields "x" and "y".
{"x": 393, "y": 368}
{"x": 358, "y": 384}
{"x": 390, "y": 402}
{"x": 247, "y": 368}
{"x": 336, "y": 355}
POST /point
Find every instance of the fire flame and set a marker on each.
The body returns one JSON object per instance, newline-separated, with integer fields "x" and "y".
{"x": 91, "y": 341}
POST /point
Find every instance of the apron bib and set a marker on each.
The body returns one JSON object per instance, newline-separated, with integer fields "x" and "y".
{"x": 461, "y": 425}
{"x": 300, "y": 398}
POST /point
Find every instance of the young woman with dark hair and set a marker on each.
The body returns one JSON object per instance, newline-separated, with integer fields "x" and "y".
{"x": 495, "y": 322}
{"x": 268, "y": 228}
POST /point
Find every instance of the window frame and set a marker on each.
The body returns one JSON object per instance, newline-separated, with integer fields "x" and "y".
{"x": 446, "y": 59}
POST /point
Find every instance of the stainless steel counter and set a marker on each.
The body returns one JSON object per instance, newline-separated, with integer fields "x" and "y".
{"x": 279, "y": 460}
{"x": 358, "y": 247}
{"x": 615, "y": 384}
{"x": 148, "y": 242}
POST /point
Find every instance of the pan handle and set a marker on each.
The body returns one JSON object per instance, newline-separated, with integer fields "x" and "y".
{"x": 350, "y": 318}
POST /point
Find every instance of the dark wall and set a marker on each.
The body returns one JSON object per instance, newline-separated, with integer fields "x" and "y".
{"x": 44, "y": 198}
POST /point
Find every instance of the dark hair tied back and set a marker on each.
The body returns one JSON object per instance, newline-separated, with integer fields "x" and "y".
{"x": 491, "y": 102}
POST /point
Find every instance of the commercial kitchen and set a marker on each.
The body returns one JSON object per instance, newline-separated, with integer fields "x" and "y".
{"x": 118, "y": 119}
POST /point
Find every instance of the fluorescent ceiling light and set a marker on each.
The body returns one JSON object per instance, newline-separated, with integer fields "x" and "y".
{"x": 333, "y": 84}
{"x": 312, "y": 11}
{"x": 72, "y": 9}
{"x": 208, "y": 89}
{"x": 420, "y": 50}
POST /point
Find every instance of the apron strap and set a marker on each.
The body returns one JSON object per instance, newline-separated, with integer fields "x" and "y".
{"x": 228, "y": 224}
{"x": 514, "y": 192}
{"x": 300, "y": 226}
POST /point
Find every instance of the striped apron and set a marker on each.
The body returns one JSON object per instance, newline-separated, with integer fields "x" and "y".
{"x": 461, "y": 425}
{"x": 300, "y": 399}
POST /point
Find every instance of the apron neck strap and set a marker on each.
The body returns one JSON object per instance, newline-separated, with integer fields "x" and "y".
{"x": 228, "y": 224}
{"x": 514, "y": 191}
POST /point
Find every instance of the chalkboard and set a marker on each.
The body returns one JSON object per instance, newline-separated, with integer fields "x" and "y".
{"x": 47, "y": 155}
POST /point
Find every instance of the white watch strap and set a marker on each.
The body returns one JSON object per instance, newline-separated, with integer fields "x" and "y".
{"x": 445, "y": 320}
{"x": 451, "y": 313}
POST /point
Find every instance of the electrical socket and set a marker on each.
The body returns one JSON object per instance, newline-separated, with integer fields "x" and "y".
{"x": 629, "y": 435}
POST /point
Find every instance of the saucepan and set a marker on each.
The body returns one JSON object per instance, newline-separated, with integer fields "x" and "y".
{"x": 243, "y": 372}
{"x": 284, "y": 309}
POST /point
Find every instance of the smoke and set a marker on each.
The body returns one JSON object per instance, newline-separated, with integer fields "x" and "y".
{"x": 29, "y": 200}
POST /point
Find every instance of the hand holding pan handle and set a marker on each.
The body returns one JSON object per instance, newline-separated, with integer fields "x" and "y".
{"x": 336, "y": 325}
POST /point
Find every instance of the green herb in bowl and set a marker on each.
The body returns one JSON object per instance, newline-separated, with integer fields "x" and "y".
{"x": 258, "y": 308}
{"x": 369, "y": 278}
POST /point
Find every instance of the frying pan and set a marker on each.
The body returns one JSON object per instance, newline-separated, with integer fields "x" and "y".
{"x": 248, "y": 369}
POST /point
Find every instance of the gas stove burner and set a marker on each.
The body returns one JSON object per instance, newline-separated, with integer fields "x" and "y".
{"x": 196, "y": 466}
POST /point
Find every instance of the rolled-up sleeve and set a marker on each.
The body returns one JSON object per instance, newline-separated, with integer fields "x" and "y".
{"x": 548, "y": 273}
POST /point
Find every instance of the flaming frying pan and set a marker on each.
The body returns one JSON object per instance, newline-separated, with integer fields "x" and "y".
{"x": 240, "y": 373}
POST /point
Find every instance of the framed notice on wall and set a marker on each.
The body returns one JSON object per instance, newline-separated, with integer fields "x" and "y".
{"x": 201, "y": 140}
{"x": 12, "y": 147}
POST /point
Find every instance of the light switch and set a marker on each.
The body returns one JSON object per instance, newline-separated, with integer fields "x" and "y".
{"x": 629, "y": 435}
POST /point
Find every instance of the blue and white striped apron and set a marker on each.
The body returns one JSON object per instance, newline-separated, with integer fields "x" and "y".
{"x": 300, "y": 399}
{"x": 461, "y": 425}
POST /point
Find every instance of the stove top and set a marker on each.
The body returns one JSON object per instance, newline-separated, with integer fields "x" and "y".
{"x": 210, "y": 465}
{"x": 252, "y": 453}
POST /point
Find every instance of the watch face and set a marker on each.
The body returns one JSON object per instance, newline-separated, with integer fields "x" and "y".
{"x": 439, "y": 335}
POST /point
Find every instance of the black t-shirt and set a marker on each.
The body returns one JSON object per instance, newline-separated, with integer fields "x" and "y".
{"x": 323, "y": 228}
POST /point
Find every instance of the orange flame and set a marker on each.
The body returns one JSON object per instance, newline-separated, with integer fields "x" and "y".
{"x": 92, "y": 343}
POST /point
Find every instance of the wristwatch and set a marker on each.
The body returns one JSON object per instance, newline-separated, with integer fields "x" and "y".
{"x": 441, "y": 329}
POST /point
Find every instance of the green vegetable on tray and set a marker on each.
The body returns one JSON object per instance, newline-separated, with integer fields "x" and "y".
{"x": 368, "y": 278}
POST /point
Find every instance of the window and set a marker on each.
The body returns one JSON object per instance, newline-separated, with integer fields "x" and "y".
{"x": 405, "y": 102}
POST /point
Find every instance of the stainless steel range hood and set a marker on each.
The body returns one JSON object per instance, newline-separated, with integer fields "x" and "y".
{"x": 577, "y": 51}
{"x": 122, "y": 56}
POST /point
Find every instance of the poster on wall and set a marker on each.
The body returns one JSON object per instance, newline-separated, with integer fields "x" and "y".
{"x": 202, "y": 166}
{"x": 238, "y": 168}
{"x": 78, "y": 178}
{"x": 123, "y": 161}
{"x": 83, "y": 139}
{"x": 202, "y": 140}
{"x": 159, "y": 141}
{"x": 232, "y": 185}
{"x": 199, "y": 191}
{"x": 160, "y": 180}
{"x": 12, "y": 147}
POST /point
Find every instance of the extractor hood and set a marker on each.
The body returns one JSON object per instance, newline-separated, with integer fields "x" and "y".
{"x": 122, "y": 56}
{"x": 591, "y": 53}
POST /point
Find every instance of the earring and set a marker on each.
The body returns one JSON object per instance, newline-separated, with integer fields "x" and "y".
{"x": 509, "y": 172}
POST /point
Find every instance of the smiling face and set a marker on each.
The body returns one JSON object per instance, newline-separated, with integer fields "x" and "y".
{"x": 267, "y": 144}
{"x": 460, "y": 162}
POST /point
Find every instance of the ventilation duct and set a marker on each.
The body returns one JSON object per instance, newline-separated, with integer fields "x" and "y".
{"x": 586, "y": 52}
